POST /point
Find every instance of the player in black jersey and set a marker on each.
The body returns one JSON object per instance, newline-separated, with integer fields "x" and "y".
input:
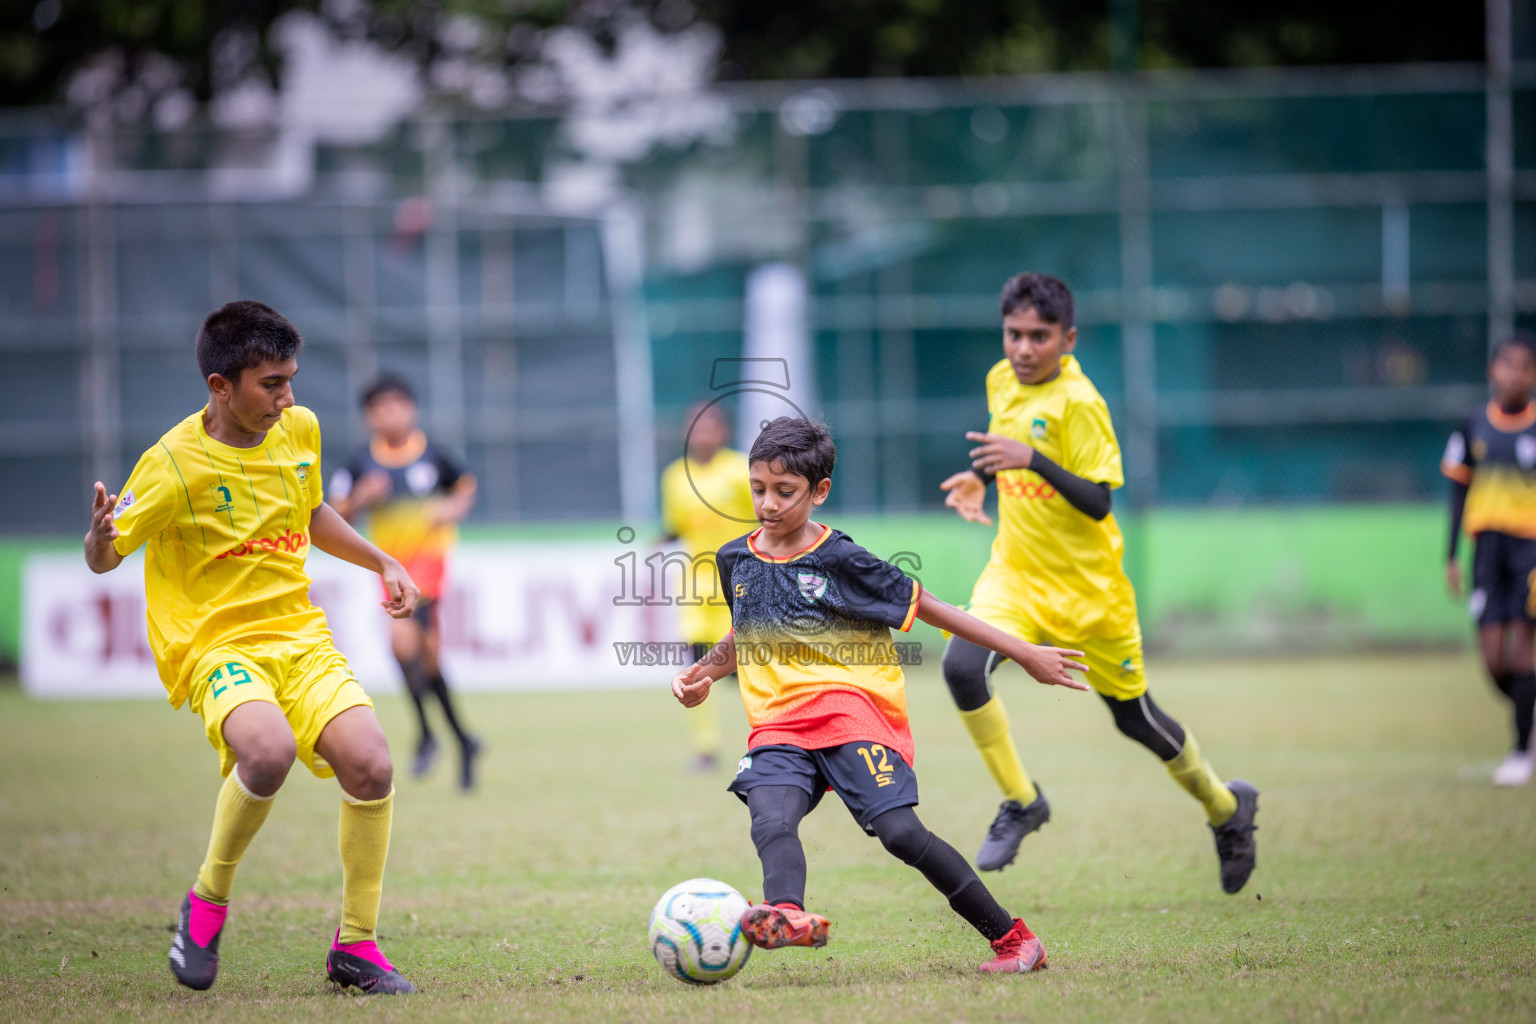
{"x": 414, "y": 496}
{"x": 1491, "y": 462}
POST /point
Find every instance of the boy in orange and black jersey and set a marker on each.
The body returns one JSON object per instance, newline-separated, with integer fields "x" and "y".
{"x": 1491, "y": 462}
{"x": 414, "y": 496}
{"x": 811, "y": 615}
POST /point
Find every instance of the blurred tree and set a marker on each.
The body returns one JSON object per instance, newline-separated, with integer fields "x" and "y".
{"x": 861, "y": 38}
{"x": 205, "y": 46}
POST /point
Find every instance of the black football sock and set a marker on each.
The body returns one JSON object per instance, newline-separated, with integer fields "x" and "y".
{"x": 906, "y": 837}
{"x": 776, "y": 813}
{"x": 416, "y": 686}
{"x": 1522, "y": 694}
{"x": 439, "y": 686}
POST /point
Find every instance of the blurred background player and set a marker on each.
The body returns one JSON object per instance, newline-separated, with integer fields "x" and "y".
{"x": 1055, "y": 575}
{"x": 835, "y": 716}
{"x": 227, "y": 504}
{"x": 706, "y": 502}
{"x": 1491, "y": 462}
{"x": 414, "y": 496}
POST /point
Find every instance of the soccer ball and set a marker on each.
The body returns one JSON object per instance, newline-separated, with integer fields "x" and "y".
{"x": 696, "y": 931}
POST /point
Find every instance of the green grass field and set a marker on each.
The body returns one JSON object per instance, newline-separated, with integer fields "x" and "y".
{"x": 1394, "y": 883}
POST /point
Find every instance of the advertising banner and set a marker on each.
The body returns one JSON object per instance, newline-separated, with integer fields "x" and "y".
{"x": 514, "y": 616}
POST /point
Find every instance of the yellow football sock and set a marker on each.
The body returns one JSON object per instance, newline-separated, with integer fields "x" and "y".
{"x": 237, "y": 816}
{"x": 1200, "y": 781}
{"x": 364, "y": 847}
{"x": 704, "y": 727}
{"x": 988, "y": 726}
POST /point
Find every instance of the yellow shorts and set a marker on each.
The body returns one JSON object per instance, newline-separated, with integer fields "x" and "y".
{"x": 308, "y": 679}
{"x": 1115, "y": 667}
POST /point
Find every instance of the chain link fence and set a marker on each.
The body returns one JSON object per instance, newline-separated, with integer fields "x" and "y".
{"x": 1286, "y": 282}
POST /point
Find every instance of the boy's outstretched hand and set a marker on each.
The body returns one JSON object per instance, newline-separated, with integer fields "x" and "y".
{"x": 1052, "y": 665}
{"x": 100, "y": 554}
{"x": 691, "y": 686}
{"x": 966, "y": 494}
{"x": 403, "y": 595}
{"x": 102, "y": 530}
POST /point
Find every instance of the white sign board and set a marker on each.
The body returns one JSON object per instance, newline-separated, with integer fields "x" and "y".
{"x": 515, "y": 616}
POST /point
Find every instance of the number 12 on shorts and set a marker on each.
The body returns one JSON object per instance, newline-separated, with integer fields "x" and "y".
{"x": 231, "y": 673}
{"x": 879, "y": 764}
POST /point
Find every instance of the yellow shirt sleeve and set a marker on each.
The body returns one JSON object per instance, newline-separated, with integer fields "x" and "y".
{"x": 147, "y": 501}
{"x": 314, "y": 480}
{"x": 1091, "y": 449}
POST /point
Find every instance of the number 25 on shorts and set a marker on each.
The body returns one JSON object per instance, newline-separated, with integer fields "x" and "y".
{"x": 231, "y": 673}
{"x": 881, "y": 768}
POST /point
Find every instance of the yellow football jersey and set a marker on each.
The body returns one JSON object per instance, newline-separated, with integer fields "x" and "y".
{"x": 226, "y": 533}
{"x": 1066, "y": 566}
{"x": 707, "y": 505}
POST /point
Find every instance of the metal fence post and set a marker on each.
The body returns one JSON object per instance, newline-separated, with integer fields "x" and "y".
{"x": 1501, "y": 177}
{"x": 100, "y": 390}
{"x": 623, "y": 251}
{"x": 445, "y": 343}
{"x": 1137, "y": 341}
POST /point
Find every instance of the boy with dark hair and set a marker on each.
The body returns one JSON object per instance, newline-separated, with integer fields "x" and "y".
{"x": 1491, "y": 462}
{"x": 414, "y": 496}
{"x": 706, "y": 500}
{"x": 812, "y": 614}
{"x": 1055, "y": 575}
{"x": 228, "y": 502}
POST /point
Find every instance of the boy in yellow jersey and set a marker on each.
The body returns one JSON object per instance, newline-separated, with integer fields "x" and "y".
{"x": 227, "y": 504}
{"x": 812, "y": 614}
{"x": 706, "y": 502}
{"x": 1491, "y": 462}
{"x": 414, "y": 496}
{"x": 1055, "y": 574}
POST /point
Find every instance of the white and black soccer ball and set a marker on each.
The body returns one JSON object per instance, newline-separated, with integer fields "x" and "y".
{"x": 695, "y": 931}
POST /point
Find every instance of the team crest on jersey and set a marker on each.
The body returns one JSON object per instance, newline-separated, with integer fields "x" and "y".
{"x": 1037, "y": 429}
{"x": 1525, "y": 451}
{"x": 124, "y": 503}
{"x": 1479, "y": 449}
{"x": 421, "y": 477}
{"x": 812, "y": 586}
{"x": 302, "y": 470}
{"x": 1127, "y": 667}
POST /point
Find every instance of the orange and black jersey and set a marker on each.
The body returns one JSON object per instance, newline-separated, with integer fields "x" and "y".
{"x": 1493, "y": 455}
{"x": 814, "y": 653}
{"x": 405, "y": 524}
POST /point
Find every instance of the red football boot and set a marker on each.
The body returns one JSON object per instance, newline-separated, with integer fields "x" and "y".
{"x": 1018, "y": 952}
{"x": 783, "y": 924}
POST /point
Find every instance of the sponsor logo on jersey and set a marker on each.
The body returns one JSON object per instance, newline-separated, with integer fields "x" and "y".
{"x": 124, "y": 503}
{"x": 290, "y": 541}
{"x": 812, "y": 586}
{"x": 1029, "y": 490}
{"x": 224, "y": 502}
